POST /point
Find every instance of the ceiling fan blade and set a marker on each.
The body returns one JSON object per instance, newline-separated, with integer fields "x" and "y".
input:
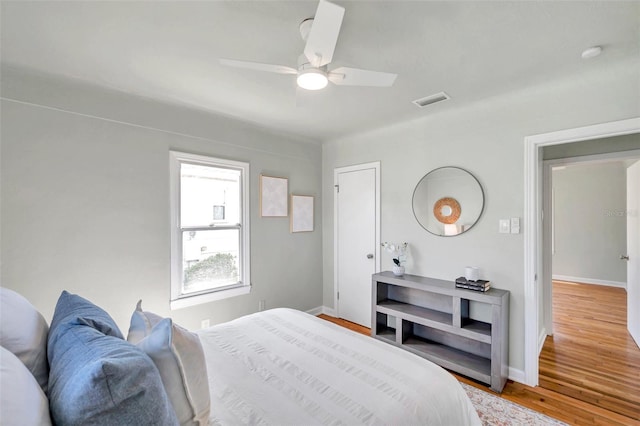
{"x": 345, "y": 76}
{"x": 324, "y": 33}
{"x": 280, "y": 69}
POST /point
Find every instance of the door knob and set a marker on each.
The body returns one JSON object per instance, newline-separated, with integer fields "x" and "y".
{"x": 624, "y": 257}
{"x": 369, "y": 256}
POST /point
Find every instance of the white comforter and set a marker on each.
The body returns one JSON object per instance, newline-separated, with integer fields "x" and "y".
{"x": 285, "y": 367}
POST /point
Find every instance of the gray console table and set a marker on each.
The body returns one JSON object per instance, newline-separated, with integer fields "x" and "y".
{"x": 430, "y": 317}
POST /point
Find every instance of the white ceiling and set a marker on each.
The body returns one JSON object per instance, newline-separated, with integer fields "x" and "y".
{"x": 170, "y": 50}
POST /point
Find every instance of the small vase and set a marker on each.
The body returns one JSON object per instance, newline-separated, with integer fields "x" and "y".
{"x": 398, "y": 271}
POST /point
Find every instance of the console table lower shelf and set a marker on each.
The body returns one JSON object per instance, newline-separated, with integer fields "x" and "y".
{"x": 430, "y": 318}
{"x": 468, "y": 364}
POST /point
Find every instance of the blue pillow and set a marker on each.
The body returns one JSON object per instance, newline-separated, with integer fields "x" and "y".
{"x": 73, "y": 308}
{"x": 95, "y": 376}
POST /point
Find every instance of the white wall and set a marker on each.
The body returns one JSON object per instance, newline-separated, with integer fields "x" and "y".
{"x": 77, "y": 214}
{"x": 487, "y": 139}
{"x": 590, "y": 222}
{"x": 85, "y": 200}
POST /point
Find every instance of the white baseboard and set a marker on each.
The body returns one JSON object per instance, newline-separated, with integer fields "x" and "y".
{"x": 322, "y": 310}
{"x": 315, "y": 311}
{"x": 582, "y": 280}
{"x": 516, "y": 375}
{"x": 541, "y": 338}
{"x": 329, "y": 311}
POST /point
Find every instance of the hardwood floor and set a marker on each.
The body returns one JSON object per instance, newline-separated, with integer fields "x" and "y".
{"x": 591, "y": 356}
{"x": 551, "y": 403}
{"x": 347, "y": 324}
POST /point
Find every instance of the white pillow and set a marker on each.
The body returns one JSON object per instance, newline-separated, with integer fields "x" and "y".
{"x": 23, "y": 331}
{"x": 179, "y": 357}
{"x": 22, "y": 401}
{"x": 141, "y": 324}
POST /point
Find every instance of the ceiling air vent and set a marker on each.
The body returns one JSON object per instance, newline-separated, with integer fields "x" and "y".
{"x": 432, "y": 99}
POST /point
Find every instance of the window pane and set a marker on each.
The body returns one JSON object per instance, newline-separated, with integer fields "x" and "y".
{"x": 209, "y": 195}
{"x": 210, "y": 259}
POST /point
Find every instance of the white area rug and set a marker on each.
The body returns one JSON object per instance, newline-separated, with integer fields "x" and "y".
{"x": 496, "y": 411}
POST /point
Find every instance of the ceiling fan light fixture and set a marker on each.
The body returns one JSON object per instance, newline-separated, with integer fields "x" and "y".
{"x": 592, "y": 52}
{"x": 320, "y": 34}
{"x": 312, "y": 79}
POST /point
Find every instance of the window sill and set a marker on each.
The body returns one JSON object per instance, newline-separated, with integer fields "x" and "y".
{"x": 209, "y": 297}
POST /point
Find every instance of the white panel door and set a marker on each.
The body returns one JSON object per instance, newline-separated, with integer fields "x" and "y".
{"x": 633, "y": 251}
{"x": 356, "y": 243}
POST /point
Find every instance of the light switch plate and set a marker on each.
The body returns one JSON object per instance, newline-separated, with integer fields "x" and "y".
{"x": 504, "y": 226}
{"x": 515, "y": 225}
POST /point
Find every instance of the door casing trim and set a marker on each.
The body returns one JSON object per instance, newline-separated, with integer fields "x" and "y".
{"x": 533, "y": 260}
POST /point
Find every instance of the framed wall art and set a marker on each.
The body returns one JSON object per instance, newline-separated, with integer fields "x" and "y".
{"x": 274, "y": 196}
{"x": 301, "y": 213}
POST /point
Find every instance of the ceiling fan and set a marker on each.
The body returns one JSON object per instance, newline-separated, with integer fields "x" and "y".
{"x": 321, "y": 35}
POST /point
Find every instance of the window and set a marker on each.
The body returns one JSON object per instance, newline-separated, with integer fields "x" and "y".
{"x": 210, "y": 229}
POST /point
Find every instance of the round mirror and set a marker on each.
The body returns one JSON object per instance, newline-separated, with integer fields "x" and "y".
{"x": 448, "y": 201}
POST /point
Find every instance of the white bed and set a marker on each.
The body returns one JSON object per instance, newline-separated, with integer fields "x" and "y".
{"x": 279, "y": 367}
{"x": 286, "y": 367}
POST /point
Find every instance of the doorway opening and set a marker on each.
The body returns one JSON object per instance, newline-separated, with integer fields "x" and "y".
{"x": 533, "y": 247}
{"x": 588, "y": 353}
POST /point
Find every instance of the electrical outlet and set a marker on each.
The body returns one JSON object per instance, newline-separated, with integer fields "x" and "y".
{"x": 261, "y": 305}
{"x": 205, "y": 323}
{"x": 504, "y": 226}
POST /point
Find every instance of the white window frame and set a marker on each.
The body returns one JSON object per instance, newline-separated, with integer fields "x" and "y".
{"x": 179, "y": 300}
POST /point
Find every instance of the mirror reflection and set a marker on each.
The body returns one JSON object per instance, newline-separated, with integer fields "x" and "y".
{"x": 448, "y": 201}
